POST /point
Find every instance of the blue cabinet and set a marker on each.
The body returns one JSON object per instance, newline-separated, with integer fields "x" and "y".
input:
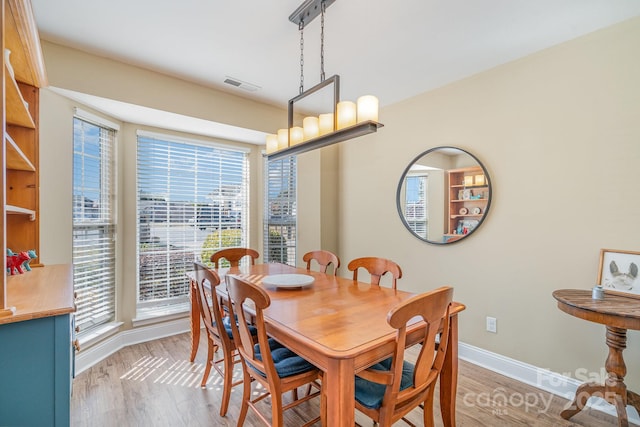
{"x": 36, "y": 354}
{"x": 35, "y": 371}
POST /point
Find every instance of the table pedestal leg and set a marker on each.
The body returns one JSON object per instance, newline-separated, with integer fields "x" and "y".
{"x": 584, "y": 392}
{"x": 614, "y": 390}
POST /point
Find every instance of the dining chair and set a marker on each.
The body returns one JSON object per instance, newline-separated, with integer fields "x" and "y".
{"x": 389, "y": 390}
{"x": 233, "y": 256}
{"x": 323, "y": 258}
{"x": 376, "y": 267}
{"x": 219, "y": 333}
{"x": 268, "y": 362}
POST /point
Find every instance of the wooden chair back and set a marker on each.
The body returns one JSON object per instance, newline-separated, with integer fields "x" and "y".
{"x": 234, "y": 255}
{"x": 210, "y": 309}
{"x": 217, "y": 335}
{"x": 245, "y": 296}
{"x": 433, "y": 308}
{"x": 240, "y": 292}
{"x": 323, "y": 258}
{"x": 376, "y": 267}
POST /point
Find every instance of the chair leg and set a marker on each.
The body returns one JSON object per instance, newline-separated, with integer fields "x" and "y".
{"x": 427, "y": 412}
{"x": 227, "y": 384}
{"x": 246, "y": 395}
{"x": 207, "y": 367}
{"x": 276, "y": 410}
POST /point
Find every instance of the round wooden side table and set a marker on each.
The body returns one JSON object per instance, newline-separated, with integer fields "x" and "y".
{"x": 618, "y": 313}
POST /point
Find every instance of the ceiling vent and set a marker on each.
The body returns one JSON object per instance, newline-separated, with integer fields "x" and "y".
{"x": 240, "y": 84}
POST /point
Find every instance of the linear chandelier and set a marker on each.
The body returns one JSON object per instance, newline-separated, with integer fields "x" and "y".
{"x": 347, "y": 119}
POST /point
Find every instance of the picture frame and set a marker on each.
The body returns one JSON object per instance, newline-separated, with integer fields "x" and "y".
{"x": 464, "y": 194}
{"x": 618, "y": 272}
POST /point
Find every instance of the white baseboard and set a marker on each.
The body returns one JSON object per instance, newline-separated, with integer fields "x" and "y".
{"x": 87, "y": 358}
{"x": 540, "y": 378}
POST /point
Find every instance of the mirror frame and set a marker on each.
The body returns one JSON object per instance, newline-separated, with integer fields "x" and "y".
{"x": 402, "y": 180}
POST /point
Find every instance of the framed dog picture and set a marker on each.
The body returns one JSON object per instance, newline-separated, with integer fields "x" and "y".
{"x": 618, "y": 272}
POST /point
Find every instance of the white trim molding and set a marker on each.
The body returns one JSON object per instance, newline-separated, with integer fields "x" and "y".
{"x": 149, "y": 316}
{"x": 94, "y": 118}
{"x": 87, "y": 358}
{"x": 543, "y": 379}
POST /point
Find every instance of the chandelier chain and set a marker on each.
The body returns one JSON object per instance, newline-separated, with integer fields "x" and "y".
{"x": 323, "y": 6}
{"x": 301, "y": 28}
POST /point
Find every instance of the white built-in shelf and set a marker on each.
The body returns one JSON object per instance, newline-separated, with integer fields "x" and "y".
{"x": 15, "y": 158}
{"x": 17, "y": 112}
{"x": 16, "y": 210}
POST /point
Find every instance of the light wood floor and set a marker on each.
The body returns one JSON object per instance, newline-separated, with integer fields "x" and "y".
{"x": 153, "y": 384}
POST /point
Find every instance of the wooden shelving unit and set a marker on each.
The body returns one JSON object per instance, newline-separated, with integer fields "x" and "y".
{"x": 23, "y": 75}
{"x": 467, "y": 199}
{"x": 22, "y": 193}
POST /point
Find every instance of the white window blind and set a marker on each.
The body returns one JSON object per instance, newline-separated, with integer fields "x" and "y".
{"x": 193, "y": 199}
{"x": 93, "y": 224}
{"x": 280, "y": 221}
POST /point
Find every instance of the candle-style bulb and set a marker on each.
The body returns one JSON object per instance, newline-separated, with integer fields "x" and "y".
{"x": 367, "y": 108}
{"x": 346, "y": 114}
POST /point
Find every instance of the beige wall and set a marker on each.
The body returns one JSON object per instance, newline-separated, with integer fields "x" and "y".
{"x": 56, "y": 178}
{"x": 75, "y": 70}
{"x": 317, "y": 201}
{"x": 559, "y": 132}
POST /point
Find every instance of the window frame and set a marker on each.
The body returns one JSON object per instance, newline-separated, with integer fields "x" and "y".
{"x": 280, "y": 177}
{"x": 102, "y": 221}
{"x": 217, "y": 222}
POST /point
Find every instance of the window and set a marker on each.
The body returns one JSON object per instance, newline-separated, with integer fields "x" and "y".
{"x": 415, "y": 207}
{"x": 193, "y": 199}
{"x": 93, "y": 223}
{"x": 280, "y": 211}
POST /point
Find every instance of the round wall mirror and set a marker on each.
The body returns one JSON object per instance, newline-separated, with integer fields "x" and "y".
{"x": 444, "y": 195}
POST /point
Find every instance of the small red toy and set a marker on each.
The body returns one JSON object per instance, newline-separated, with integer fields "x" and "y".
{"x": 14, "y": 262}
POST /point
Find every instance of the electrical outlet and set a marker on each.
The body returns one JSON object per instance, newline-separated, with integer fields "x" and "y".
{"x": 492, "y": 324}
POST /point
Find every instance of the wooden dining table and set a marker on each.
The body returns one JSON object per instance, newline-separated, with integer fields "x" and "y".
{"x": 339, "y": 325}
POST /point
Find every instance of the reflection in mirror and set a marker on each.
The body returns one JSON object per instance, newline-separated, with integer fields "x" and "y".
{"x": 444, "y": 195}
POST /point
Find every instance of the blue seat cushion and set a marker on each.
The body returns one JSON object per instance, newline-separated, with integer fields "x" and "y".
{"x": 286, "y": 362}
{"x": 226, "y": 322}
{"x": 370, "y": 394}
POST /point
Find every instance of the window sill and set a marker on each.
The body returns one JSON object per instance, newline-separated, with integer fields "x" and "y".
{"x": 98, "y": 334}
{"x": 149, "y": 316}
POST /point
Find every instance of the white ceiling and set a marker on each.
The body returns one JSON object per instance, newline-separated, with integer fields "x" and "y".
{"x": 394, "y": 50}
